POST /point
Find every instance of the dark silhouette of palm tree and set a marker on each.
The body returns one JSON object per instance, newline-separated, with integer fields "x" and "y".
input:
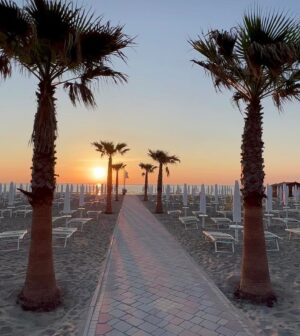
{"x": 163, "y": 159}
{"x": 109, "y": 149}
{"x": 255, "y": 60}
{"x": 148, "y": 169}
{"x": 60, "y": 45}
{"x": 117, "y": 167}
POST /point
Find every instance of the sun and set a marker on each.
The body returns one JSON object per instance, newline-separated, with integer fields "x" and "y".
{"x": 99, "y": 172}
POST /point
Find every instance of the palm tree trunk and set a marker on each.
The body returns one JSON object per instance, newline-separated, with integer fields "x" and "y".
{"x": 109, "y": 187}
{"x": 159, "y": 206}
{"x": 40, "y": 291}
{"x": 255, "y": 283}
{"x": 146, "y": 187}
{"x": 117, "y": 184}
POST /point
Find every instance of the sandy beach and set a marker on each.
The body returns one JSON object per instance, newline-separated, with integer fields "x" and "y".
{"x": 77, "y": 266}
{"x": 280, "y": 320}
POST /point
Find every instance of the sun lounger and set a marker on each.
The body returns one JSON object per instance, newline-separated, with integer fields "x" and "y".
{"x": 80, "y": 221}
{"x": 293, "y": 231}
{"x": 221, "y": 221}
{"x": 174, "y": 212}
{"x": 220, "y": 238}
{"x": 188, "y": 221}
{"x": 13, "y": 235}
{"x": 272, "y": 238}
{"x": 23, "y": 212}
{"x": 63, "y": 233}
{"x": 94, "y": 213}
{"x": 287, "y": 221}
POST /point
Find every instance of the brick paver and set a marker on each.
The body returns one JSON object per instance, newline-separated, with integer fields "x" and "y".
{"x": 152, "y": 287}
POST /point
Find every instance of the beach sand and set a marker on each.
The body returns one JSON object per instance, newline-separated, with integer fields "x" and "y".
{"x": 77, "y": 266}
{"x": 281, "y": 320}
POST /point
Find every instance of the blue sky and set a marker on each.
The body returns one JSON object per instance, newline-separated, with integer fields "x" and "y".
{"x": 168, "y": 103}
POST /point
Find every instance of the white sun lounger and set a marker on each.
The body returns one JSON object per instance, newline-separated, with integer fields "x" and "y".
{"x": 188, "y": 221}
{"x": 95, "y": 213}
{"x": 287, "y": 221}
{"x": 174, "y": 212}
{"x": 63, "y": 233}
{"x": 23, "y": 212}
{"x": 293, "y": 231}
{"x": 220, "y": 238}
{"x": 221, "y": 220}
{"x": 13, "y": 235}
{"x": 80, "y": 221}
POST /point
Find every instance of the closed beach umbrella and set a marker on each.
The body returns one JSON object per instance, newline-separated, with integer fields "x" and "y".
{"x": 269, "y": 205}
{"x": 216, "y": 194}
{"x": 168, "y": 190}
{"x": 285, "y": 194}
{"x": 202, "y": 206}
{"x": 236, "y": 207}
{"x": 0, "y": 188}
{"x": 185, "y": 195}
{"x": 11, "y": 194}
{"x": 81, "y": 196}
{"x": 67, "y": 200}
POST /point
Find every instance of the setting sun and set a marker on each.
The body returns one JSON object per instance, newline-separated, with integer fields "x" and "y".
{"x": 99, "y": 172}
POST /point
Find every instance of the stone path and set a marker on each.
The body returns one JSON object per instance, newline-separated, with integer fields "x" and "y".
{"x": 152, "y": 287}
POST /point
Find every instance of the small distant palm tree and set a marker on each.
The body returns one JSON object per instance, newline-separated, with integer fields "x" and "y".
{"x": 256, "y": 60}
{"x": 109, "y": 149}
{"x": 61, "y": 46}
{"x": 148, "y": 168}
{"x": 117, "y": 167}
{"x": 163, "y": 159}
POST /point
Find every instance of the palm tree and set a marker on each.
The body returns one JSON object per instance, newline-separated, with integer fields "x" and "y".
{"x": 163, "y": 159}
{"x": 148, "y": 168}
{"x": 109, "y": 149}
{"x": 59, "y": 45}
{"x": 255, "y": 61}
{"x": 117, "y": 167}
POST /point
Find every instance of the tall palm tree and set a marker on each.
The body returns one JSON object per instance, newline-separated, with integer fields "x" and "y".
{"x": 148, "y": 169}
{"x": 163, "y": 159}
{"x": 117, "y": 167}
{"x": 255, "y": 60}
{"x": 59, "y": 45}
{"x": 107, "y": 148}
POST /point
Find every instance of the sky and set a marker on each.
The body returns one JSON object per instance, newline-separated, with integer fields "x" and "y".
{"x": 167, "y": 104}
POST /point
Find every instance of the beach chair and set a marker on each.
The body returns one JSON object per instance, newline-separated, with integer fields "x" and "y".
{"x": 80, "y": 221}
{"x": 221, "y": 221}
{"x": 293, "y": 232}
{"x": 189, "y": 221}
{"x": 272, "y": 239}
{"x": 94, "y": 213}
{"x": 13, "y": 235}
{"x": 174, "y": 212}
{"x": 220, "y": 238}
{"x": 22, "y": 212}
{"x": 287, "y": 221}
{"x": 63, "y": 233}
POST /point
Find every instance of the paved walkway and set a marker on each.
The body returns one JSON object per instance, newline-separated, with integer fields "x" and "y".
{"x": 152, "y": 287}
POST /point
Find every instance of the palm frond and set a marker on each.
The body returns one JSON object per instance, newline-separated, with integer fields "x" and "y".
{"x": 79, "y": 92}
{"x": 5, "y": 66}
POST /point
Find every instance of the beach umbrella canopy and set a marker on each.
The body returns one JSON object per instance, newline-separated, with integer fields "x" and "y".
{"x": 67, "y": 200}
{"x": 11, "y": 194}
{"x": 185, "y": 195}
{"x": 0, "y": 188}
{"x": 81, "y": 196}
{"x": 236, "y": 206}
{"x": 202, "y": 206}
{"x": 269, "y": 205}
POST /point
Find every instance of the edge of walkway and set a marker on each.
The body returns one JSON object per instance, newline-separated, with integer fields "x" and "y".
{"x": 245, "y": 321}
{"x": 96, "y": 302}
